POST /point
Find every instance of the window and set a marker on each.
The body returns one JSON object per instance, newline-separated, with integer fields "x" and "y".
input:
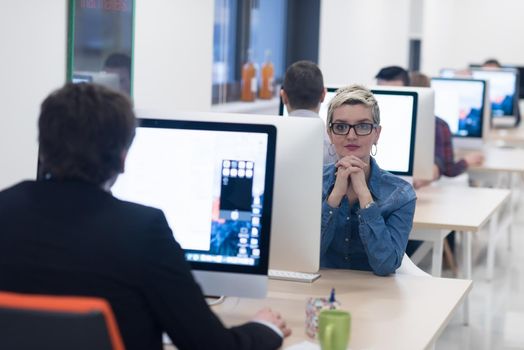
{"x": 250, "y": 30}
{"x": 101, "y": 43}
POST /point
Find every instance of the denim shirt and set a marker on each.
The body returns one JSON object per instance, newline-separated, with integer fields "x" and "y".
{"x": 373, "y": 238}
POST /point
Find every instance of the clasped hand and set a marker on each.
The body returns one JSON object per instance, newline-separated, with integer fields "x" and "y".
{"x": 350, "y": 177}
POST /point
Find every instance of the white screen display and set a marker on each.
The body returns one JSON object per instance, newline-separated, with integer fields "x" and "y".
{"x": 460, "y": 104}
{"x": 396, "y": 120}
{"x": 182, "y": 172}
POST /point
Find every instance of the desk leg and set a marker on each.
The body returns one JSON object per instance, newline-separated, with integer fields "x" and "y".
{"x": 466, "y": 269}
{"x": 436, "y": 262}
{"x": 508, "y": 218}
{"x": 515, "y": 187}
{"x": 492, "y": 244}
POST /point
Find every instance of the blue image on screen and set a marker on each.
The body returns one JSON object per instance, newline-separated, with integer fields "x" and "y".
{"x": 505, "y": 107}
{"x": 471, "y": 124}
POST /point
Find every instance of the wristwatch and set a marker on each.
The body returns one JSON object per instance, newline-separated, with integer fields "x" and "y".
{"x": 369, "y": 205}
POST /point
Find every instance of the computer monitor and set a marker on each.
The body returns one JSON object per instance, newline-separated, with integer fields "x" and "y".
{"x": 398, "y": 118}
{"x": 423, "y": 144}
{"x": 517, "y": 67}
{"x": 297, "y": 191}
{"x": 214, "y": 183}
{"x": 452, "y": 73}
{"x": 462, "y": 104}
{"x": 503, "y": 91}
{"x": 521, "y": 81}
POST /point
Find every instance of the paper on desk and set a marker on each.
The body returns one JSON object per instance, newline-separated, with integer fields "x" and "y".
{"x": 305, "y": 345}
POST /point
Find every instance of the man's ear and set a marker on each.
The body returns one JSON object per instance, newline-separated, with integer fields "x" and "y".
{"x": 285, "y": 99}
{"x": 323, "y": 95}
{"x": 123, "y": 157}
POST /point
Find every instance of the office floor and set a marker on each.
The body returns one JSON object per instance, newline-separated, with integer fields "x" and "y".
{"x": 496, "y": 307}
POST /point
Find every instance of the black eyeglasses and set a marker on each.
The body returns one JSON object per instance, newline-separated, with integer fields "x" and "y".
{"x": 361, "y": 129}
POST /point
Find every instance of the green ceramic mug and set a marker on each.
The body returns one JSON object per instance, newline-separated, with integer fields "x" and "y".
{"x": 333, "y": 329}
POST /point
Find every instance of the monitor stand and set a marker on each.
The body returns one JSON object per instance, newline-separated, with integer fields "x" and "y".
{"x": 503, "y": 122}
{"x": 468, "y": 143}
{"x": 293, "y": 276}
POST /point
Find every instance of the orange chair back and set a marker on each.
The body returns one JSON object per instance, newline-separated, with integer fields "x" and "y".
{"x": 67, "y": 305}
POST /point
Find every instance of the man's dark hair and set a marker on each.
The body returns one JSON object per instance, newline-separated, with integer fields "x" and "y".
{"x": 393, "y": 73}
{"x": 303, "y": 85}
{"x": 492, "y": 62}
{"x": 83, "y": 131}
{"x": 118, "y": 60}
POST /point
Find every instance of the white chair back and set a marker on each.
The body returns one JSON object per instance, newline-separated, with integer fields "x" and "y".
{"x": 409, "y": 268}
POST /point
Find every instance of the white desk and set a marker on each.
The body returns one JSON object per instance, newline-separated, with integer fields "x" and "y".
{"x": 508, "y": 137}
{"x": 396, "y": 312}
{"x": 502, "y": 168}
{"x": 499, "y": 159}
{"x": 441, "y": 209}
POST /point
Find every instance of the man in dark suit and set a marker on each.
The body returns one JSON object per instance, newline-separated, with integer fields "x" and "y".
{"x": 67, "y": 235}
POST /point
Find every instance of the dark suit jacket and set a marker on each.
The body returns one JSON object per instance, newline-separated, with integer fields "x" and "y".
{"x": 72, "y": 238}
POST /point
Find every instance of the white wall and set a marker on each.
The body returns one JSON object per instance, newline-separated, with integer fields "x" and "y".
{"x": 173, "y": 59}
{"x": 457, "y": 33}
{"x": 173, "y": 54}
{"x": 358, "y": 37}
{"x": 32, "y": 63}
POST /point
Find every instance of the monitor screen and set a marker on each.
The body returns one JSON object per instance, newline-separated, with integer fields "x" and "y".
{"x": 214, "y": 183}
{"x": 503, "y": 87}
{"x": 460, "y": 102}
{"x": 520, "y": 70}
{"x": 398, "y": 111}
{"x": 109, "y": 80}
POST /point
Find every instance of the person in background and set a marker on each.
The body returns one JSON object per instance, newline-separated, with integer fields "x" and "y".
{"x": 392, "y": 76}
{"x": 367, "y": 213}
{"x": 302, "y": 93}
{"x": 444, "y": 155}
{"x": 67, "y": 235}
{"x": 120, "y": 64}
{"x": 491, "y": 63}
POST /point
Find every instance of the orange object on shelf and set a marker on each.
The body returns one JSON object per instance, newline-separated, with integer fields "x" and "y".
{"x": 268, "y": 76}
{"x": 249, "y": 80}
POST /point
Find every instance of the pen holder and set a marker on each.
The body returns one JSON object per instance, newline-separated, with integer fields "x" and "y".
{"x": 313, "y": 308}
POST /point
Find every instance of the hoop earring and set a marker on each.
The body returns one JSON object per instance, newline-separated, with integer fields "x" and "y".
{"x": 331, "y": 150}
{"x": 376, "y": 149}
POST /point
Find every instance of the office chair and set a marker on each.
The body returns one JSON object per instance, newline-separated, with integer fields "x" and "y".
{"x": 57, "y": 322}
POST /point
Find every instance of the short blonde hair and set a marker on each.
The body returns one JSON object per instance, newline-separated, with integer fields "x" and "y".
{"x": 354, "y": 94}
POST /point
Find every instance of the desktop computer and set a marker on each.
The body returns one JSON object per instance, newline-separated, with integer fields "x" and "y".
{"x": 462, "y": 104}
{"x": 397, "y": 149}
{"x": 297, "y": 190}
{"x": 214, "y": 183}
{"x": 503, "y": 91}
{"x": 423, "y": 127}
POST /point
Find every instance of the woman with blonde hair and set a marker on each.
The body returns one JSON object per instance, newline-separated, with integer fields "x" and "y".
{"x": 367, "y": 212}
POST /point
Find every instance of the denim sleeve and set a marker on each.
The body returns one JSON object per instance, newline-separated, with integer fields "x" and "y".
{"x": 385, "y": 240}
{"x": 328, "y": 226}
